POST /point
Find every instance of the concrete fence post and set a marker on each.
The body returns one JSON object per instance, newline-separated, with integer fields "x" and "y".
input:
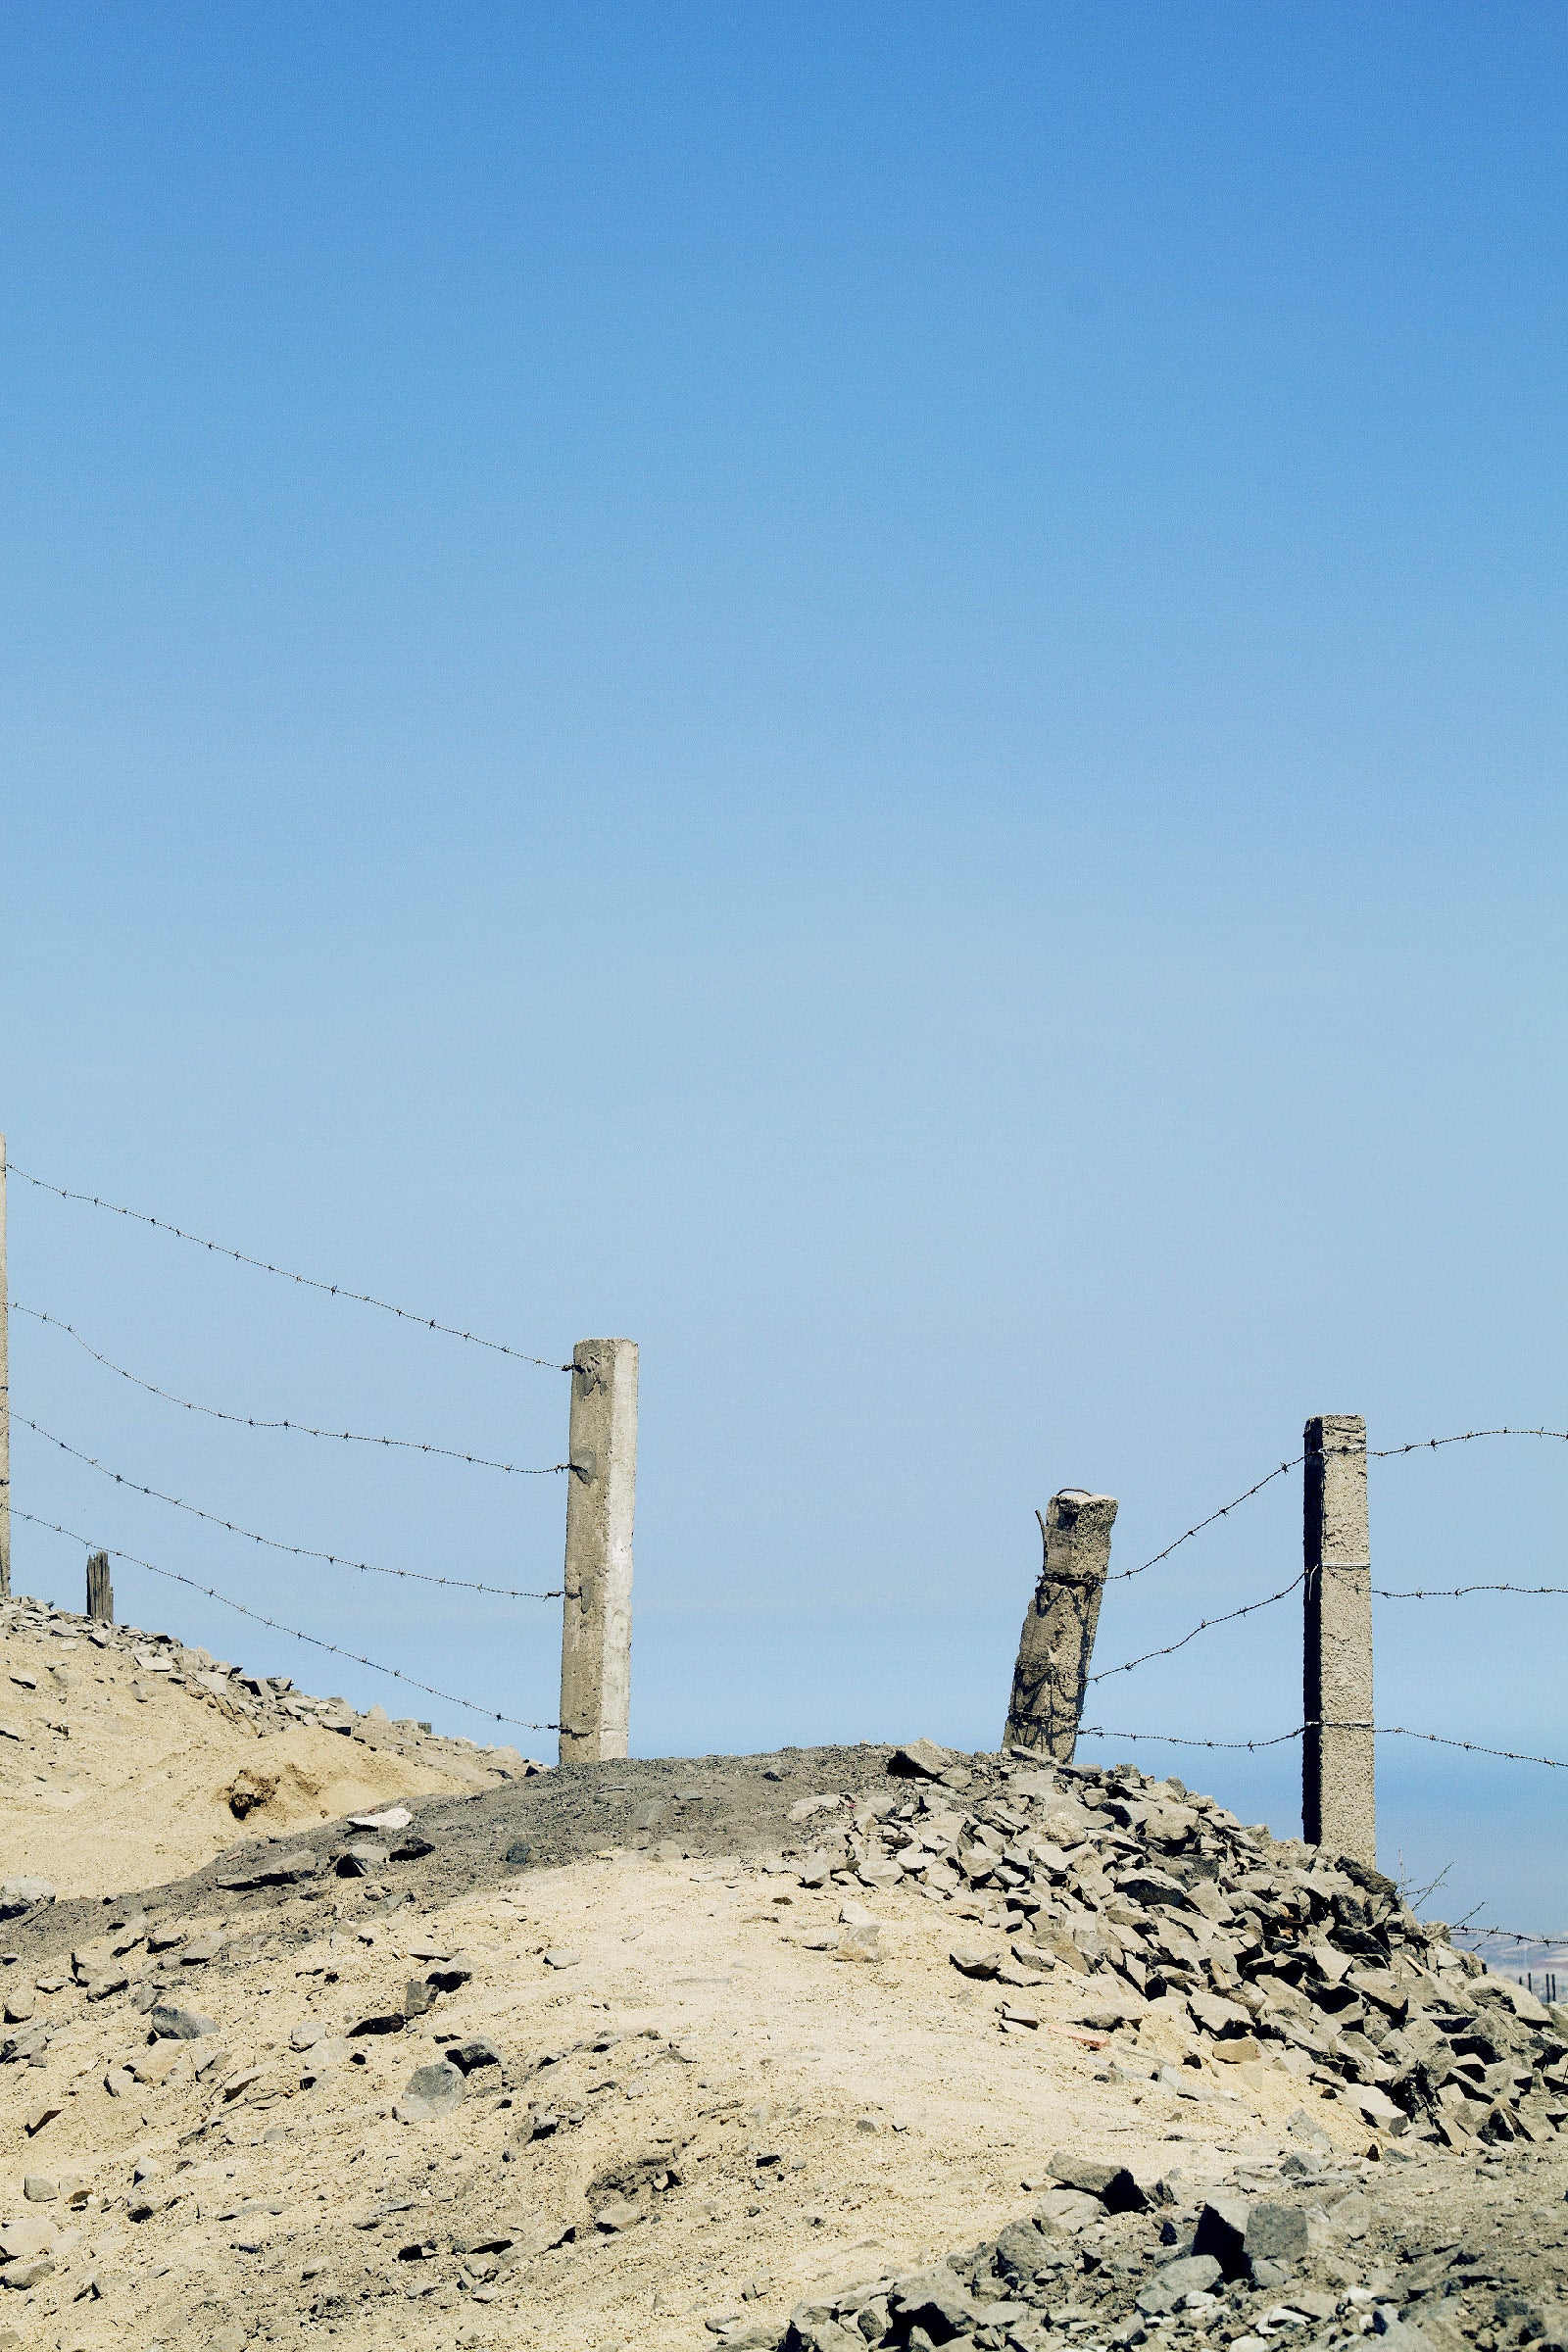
{"x": 1057, "y": 1640}
{"x": 5, "y": 1395}
{"x": 601, "y": 1501}
{"x": 100, "y": 1591}
{"x": 1339, "y": 1800}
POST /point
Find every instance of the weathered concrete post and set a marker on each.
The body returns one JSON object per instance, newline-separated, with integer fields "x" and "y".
{"x": 601, "y": 1500}
{"x": 1058, "y": 1628}
{"x": 1339, "y": 1801}
{"x": 5, "y": 1395}
{"x": 100, "y": 1591}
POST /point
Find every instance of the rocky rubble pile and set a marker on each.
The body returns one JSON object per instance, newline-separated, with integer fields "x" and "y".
{"x": 1261, "y": 1952}
{"x": 1303, "y": 2249}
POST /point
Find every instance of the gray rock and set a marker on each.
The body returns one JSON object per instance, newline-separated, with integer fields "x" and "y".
{"x": 1222, "y": 2232}
{"x": 1112, "y": 2183}
{"x": 468, "y": 2056}
{"x": 935, "y": 2300}
{"x": 1275, "y": 2233}
{"x": 972, "y": 1958}
{"x": 18, "y": 1895}
{"x": 362, "y": 1859}
{"x": 170, "y": 2024}
{"x": 520, "y": 1853}
{"x": 390, "y": 2021}
{"x": 1188, "y": 2275}
{"x": 921, "y": 1760}
{"x": 418, "y": 1998}
{"x": 432, "y": 2091}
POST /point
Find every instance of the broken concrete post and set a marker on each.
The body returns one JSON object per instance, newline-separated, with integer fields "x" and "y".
{"x": 1339, "y": 1802}
{"x": 100, "y": 1591}
{"x": 1057, "y": 1641}
{"x": 601, "y": 1498}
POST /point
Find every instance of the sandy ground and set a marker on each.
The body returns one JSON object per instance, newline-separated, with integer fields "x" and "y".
{"x": 112, "y": 1776}
{"x": 902, "y": 2119}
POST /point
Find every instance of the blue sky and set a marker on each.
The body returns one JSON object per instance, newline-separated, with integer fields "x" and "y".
{"x": 875, "y": 694}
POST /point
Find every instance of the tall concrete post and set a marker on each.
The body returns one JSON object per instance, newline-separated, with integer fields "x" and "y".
{"x": 5, "y": 1395}
{"x": 1339, "y": 1800}
{"x": 100, "y": 1591}
{"x": 601, "y": 1500}
{"x": 1057, "y": 1640}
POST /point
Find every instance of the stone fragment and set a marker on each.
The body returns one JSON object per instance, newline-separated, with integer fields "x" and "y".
{"x": 468, "y": 2056}
{"x": 19, "y": 1895}
{"x": 395, "y": 1817}
{"x": 384, "y": 2021}
{"x": 202, "y": 1949}
{"x": 1222, "y": 2232}
{"x": 418, "y": 1998}
{"x": 1112, "y": 2183}
{"x": 1275, "y": 2233}
{"x": 974, "y": 1959}
{"x": 518, "y": 1854}
{"x": 413, "y": 1848}
{"x": 32, "y": 2235}
{"x": 1173, "y": 2281}
{"x": 432, "y": 2091}
{"x": 173, "y": 2023}
{"x": 921, "y": 1759}
{"x": 562, "y": 1958}
{"x": 362, "y": 1859}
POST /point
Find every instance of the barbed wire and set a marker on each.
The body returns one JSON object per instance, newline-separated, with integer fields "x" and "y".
{"x": 1463, "y": 1437}
{"x": 1379, "y": 1730}
{"x": 1506, "y": 1936}
{"x": 1378, "y": 1454}
{"x": 297, "y": 1551}
{"x": 1458, "y": 1592}
{"x": 1117, "y": 1575}
{"x": 302, "y": 1429}
{"x": 309, "y": 1281}
{"x": 1173, "y": 1739}
{"x": 1206, "y": 1625}
{"x": 1397, "y": 1730}
{"x": 448, "y": 1698}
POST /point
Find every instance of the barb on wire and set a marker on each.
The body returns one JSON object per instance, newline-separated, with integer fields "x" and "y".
{"x": 1170, "y": 1740}
{"x": 297, "y": 1551}
{"x": 1510, "y": 1755}
{"x": 1510, "y": 1936}
{"x": 309, "y": 1282}
{"x": 300, "y": 1429}
{"x": 1463, "y": 1437}
{"x": 1379, "y": 1730}
{"x": 1118, "y": 1573}
{"x": 1458, "y": 1592}
{"x": 1205, "y": 1625}
{"x": 448, "y": 1698}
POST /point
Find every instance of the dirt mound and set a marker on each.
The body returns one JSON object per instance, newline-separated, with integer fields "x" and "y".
{"x": 738, "y": 2049}
{"x": 126, "y": 1759}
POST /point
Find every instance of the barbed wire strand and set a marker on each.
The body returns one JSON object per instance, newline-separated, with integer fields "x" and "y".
{"x": 309, "y": 1282}
{"x": 1170, "y": 1740}
{"x": 1458, "y": 1592}
{"x": 448, "y": 1698}
{"x": 1206, "y": 1625}
{"x": 1379, "y": 1730}
{"x": 301, "y": 1429}
{"x": 1508, "y": 1935}
{"x": 1463, "y": 1437}
{"x": 1378, "y": 1454}
{"x": 297, "y": 1551}
{"x": 1117, "y": 1575}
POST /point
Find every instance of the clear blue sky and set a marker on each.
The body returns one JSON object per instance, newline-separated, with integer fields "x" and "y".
{"x": 874, "y": 693}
